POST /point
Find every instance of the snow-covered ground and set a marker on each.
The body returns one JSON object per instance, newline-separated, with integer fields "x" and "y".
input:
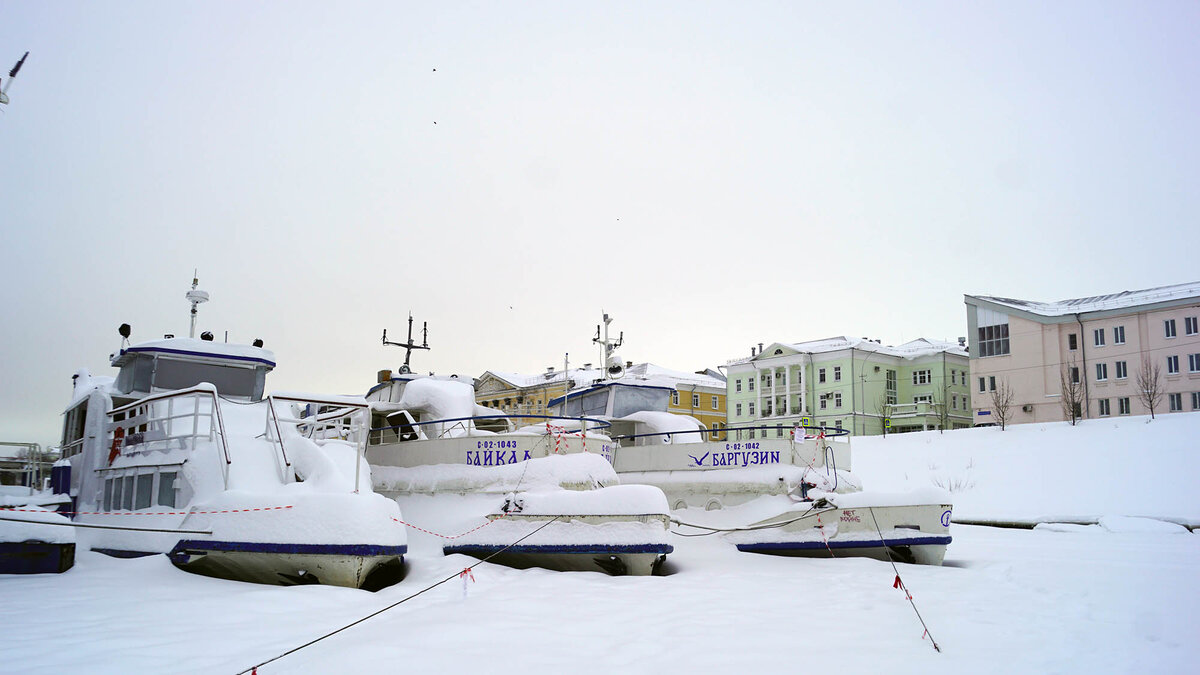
{"x": 1114, "y": 597}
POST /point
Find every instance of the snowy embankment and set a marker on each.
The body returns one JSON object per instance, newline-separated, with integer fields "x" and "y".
{"x": 1054, "y": 472}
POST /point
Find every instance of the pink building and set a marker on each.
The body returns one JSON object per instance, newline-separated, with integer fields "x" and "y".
{"x": 1100, "y": 342}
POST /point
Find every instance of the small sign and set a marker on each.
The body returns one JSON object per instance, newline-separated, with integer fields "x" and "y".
{"x": 887, "y": 423}
{"x": 981, "y": 413}
{"x": 805, "y": 422}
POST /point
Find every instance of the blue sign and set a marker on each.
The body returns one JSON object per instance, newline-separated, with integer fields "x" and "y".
{"x": 984, "y": 412}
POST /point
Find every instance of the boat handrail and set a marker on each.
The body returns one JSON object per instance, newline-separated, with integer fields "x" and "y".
{"x": 216, "y": 424}
{"x": 598, "y": 423}
{"x": 320, "y": 421}
{"x": 833, "y": 432}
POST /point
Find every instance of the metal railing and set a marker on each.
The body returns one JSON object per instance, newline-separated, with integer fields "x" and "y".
{"x": 321, "y": 419}
{"x": 164, "y": 422}
{"x": 467, "y": 424}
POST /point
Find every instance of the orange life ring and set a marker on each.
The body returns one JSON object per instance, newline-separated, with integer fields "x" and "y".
{"x": 118, "y": 440}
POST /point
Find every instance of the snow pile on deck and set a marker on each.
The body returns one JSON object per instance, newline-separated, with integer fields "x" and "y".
{"x": 653, "y": 422}
{"x": 615, "y": 500}
{"x": 579, "y": 471}
{"x": 441, "y": 400}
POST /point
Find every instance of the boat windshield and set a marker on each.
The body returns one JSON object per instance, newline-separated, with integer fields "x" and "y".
{"x": 628, "y": 400}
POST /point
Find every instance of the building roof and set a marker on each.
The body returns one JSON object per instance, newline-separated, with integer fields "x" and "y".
{"x": 909, "y": 350}
{"x": 640, "y": 373}
{"x": 523, "y": 381}
{"x": 1100, "y": 303}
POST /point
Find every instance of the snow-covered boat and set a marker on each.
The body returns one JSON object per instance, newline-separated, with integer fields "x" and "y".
{"x": 782, "y": 491}
{"x": 539, "y": 496}
{"x": 182, "y": 454}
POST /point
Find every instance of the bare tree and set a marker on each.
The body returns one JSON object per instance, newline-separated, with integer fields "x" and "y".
{"x": 1072, "y": 392}
{"x": 1149, "y": 384}
{"x": 885, "y": 412}
{"x": 941, "y": 409}
{"x": 1002, "y": 397}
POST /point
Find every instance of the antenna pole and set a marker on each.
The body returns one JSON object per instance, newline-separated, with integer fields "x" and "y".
{"x": 409, "y": 346}
{"x": 195, "y": 297}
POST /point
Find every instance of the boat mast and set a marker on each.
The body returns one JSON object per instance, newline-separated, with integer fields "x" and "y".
{"x": 609, "y": 361}
{"x": 410, "y": 345}
{"x": 195, "y": 297}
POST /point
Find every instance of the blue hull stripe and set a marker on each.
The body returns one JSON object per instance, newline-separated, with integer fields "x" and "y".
{"x": 864, "y": 543}
{"x": 550, "y": 549}
{"x": 308, "y": 549}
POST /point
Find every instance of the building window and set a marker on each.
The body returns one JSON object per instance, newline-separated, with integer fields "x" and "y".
{"x": 1189, "y": 325}
{"x": 992, "y": 382}
{"x": 837, "y": 400}
{"x": 1098, "y": 336}
{"x": 1122, "y": 370}
{"x": 837, "y": 424}
{"x": 1176, "y": 401}
{"x": 1194, "y": 363}
{"x": 982, "y": 385}
{"x": 737, "y": 385}
{"x": 1075, "y": 374}
{"x": 824, "y": 403}
{"x": 1101, "y": 372}
{"x": 778, "y": 432}
{"x": 821, "y": 376}
{"x": 921, "y": 377}
{"x": 1123, "y": 405}
{"x": 752, "y": 409}
{"x": 1173, "y": 364}
{"x": 1196, "y": 400}
{"x": 674, "y": 398}
{"x": 750, "y": 382}
{"x": 1169, "y": 328}
{"x": 695, "y": 400}
{"x": 954, "y": 402}
{"x": 993, "y": 340}
{"x": 837, "y": 373}
{"x": 1118, "y": 335}
{"x": 714, "y": 403}
{"x": 923, "y": 398}
{"x": 1104, "y": 409}
{"x": 738, "y": 407}
{"x": 751, "y": 434}
{"x": 1072, "y": 342}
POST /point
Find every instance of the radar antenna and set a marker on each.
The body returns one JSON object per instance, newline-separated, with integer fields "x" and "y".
{"x": 12, "y": 74}
{"x": 609, "y": 359}
{"x": 195, "y": 297}
{"x": 410, "y": 345}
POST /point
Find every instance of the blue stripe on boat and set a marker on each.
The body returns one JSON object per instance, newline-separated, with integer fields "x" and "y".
{"x": 259, "y": 547}
{"x": 864, "y": 543}
{"x": 587, "y": 549}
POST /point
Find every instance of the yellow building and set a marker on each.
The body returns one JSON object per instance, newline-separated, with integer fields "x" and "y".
{"x": 514, "y": 394}
{"x": 701, "y": 395}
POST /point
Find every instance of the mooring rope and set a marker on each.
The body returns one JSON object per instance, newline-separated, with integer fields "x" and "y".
{"x": 900, "y": 583}
{"x": 456, "y": 575}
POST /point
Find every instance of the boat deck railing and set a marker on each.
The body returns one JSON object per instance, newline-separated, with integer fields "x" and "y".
{"x": 320, "y": 419}
{"x": 170, "y": 420}
{"x": 466, "y": 426}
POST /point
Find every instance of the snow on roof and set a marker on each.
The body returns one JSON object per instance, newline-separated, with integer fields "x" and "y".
{"x": 522, "y": 381}
{"x": 909, "y": 350}
{"x": 194, "y": 347}
{"x": 1098, "y": 303}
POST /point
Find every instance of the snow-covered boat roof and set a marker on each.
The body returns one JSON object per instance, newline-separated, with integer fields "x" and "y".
{"x": 909, "y": 350}
{"x": 1100, "y": 303}
{"x": 639, "y": 374}
{"x": 198, "y": 348}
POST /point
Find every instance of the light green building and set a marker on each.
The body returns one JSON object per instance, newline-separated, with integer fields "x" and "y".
{"x": 855, "y": 384}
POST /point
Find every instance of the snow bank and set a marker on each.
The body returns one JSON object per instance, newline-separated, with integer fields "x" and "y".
{"x": 39, "y": 525}
{"x": 1128, "y": 466}
{"x": 440, "y": 400}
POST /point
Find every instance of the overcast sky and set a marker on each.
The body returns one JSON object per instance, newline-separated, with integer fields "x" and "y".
{"x": 713, "y": 175}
